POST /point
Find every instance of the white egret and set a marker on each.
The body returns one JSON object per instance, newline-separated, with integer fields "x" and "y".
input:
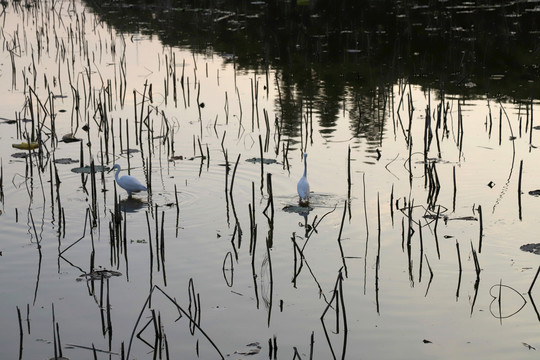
{"x": 128, "y": 182}
{"x": 303, "y": 185}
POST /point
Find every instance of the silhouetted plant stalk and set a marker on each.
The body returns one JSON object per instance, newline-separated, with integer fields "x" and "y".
{"x": 228, "y": 259}
{"x": 349, "y": 176}
{"x": 232, "y": 198}
{"x": 367, "y": 229}
{"x": 455, "y": 188}
{"x": 195, "y": 302}
{"x": 339, "y": 298}
{"x": 434, "y": 185}
{"x": 150, "y": 248}
{"x": 531, "y": 122}
{"x": 262, "y": 162}
{"x": 272, "y": 347}
{"x": 534, "y": 281}
{"x": 270, "y": 203}
{"x": 378, "y": 259}
{"x": 477, "y": 281}
{"x": 252, "y": 221}
{"x": 421, "y": 251}
{"x": 192, "y": 322}
{"x": 435, "y": 231}
{"x": 430, "y": 275}
{"x": 392, "y": 205}
{"x": 162, "y": 247}
{"x": 339, "y": 238}
{"x": 56, "y": 336}
{"x": 267, "y": 133}
{"x": 269, "y": 301}
{"x": 481, "y": 235}
{"x": 460, "y": 130}
{"x": 21, "y": 333}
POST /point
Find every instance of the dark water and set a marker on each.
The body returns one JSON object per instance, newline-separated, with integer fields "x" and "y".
{"x": 472, "y": 48}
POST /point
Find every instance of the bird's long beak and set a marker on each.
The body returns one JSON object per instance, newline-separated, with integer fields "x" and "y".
{"x": 111, "y": 169}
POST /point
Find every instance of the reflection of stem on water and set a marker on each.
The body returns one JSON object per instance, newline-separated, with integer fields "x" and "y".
{"x": 339, "y": 238}
{"x": 430, "y": 276}
{"x": 270, "y": 203}
{"x": 460, "y": 270}
{"x": 267, "y": 289}
{"x": 298, "y": 268}
{"x": 229, "y": 280}
{"x": 194, "y": 322}
{"x": 337, "y": 295}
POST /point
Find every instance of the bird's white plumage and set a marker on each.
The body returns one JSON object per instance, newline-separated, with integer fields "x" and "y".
{"x": 303, "y": 185}
{"x": 128, "y": 182}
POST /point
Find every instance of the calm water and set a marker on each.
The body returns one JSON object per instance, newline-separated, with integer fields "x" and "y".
{"x": 192, "y": 237}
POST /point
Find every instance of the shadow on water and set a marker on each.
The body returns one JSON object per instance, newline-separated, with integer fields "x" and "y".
{"x": 132, "y": 204}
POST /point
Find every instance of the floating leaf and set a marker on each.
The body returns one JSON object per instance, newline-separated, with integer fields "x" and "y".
{"x": 65, "y": 161}
{"x": 88, "y": 170}
{"x": 130, "y": 151}
{"x": 26, "y": 146}
{"x": 532, "y": 248}
{"x": 70, "y": 138}
{"x": 534, "y": 192}
{"x": 20, "y": 155}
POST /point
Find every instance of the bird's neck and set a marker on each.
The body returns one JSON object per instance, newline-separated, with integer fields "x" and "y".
{"x": 305, "y": 167}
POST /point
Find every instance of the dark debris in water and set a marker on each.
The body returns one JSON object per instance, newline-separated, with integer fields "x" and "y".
{"x": 130, "y": 151}
{"x": 252, "y": 349}
{"x": 534, "y": 192}
{"x": 181, "y": 157}
{"x": 447, "y": 218}
{"x": 8, "y": 121}
{"x": 256, "y": 160}
{"x": 99, "y": 274}
{"x": 532, "y": 248}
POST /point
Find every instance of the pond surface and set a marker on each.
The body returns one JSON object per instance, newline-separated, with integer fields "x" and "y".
{"x": 421, "y": 195}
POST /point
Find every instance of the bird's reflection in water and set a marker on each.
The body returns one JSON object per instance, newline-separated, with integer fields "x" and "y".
{"x": 305, "y": 214}
{"x": 132, "y": 204}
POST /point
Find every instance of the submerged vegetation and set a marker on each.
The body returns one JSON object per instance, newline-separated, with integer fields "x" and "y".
{"x": 420, "y": 124}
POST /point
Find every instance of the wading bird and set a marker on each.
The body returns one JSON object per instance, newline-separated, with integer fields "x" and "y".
{"x": 303, "y": 186}
{"x": 127, "y": 182}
